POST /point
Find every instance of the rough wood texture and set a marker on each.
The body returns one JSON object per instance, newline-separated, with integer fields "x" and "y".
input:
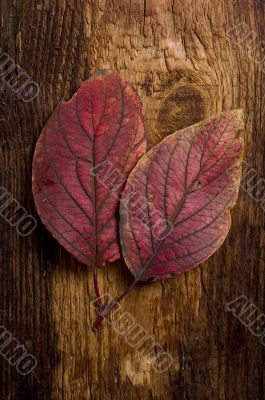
{"x": 177, "y": 55}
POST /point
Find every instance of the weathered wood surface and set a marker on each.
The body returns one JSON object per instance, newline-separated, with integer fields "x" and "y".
{"x": 177, "y": 55}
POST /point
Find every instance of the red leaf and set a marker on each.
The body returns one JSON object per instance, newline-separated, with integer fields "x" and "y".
{"x": 175, "y": 209}
{"x": 98, "y": 133}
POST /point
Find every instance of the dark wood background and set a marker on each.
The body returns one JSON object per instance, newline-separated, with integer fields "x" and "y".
{"x": 177, "y": 55}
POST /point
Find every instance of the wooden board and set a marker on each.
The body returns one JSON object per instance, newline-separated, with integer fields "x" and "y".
{"x": 187, "y": 60}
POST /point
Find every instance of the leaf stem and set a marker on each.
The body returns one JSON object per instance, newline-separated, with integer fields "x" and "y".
{"x": 103, "y": 311}
{"x": 96, "y": 286}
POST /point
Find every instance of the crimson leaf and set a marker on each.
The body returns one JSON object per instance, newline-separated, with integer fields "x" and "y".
{"x": 98, "y": 134}
{"x": 175, "y": 209}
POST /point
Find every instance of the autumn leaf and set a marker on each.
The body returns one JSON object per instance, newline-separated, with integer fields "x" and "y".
{"x": 175, "y": 209}
{"x": 81, "y": 162}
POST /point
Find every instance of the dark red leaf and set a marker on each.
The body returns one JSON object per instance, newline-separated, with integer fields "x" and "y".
{"x": 175, "y": 209}
{"x": 87, "y": 148}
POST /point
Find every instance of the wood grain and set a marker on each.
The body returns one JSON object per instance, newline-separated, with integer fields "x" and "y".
{"x": 177, "y": 55}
